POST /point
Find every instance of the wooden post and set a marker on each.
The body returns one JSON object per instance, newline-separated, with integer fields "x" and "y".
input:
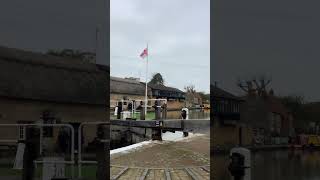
{"x": 102, "y": 152}
{"x": 157, "y": 109}
{"x": 240, "y": 136}
{"x": 119, "y": 110}
{"x": 156, "y": 134}
{"x": 142, "y": 111}
{"x": 164, "y": 111}
{"x": 184, "y": 117}
{"x": 30, "y": 153}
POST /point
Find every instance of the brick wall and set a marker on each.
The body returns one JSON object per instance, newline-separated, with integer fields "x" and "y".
{"x": 175, "y": 105}
{"x": 228, "y": 136}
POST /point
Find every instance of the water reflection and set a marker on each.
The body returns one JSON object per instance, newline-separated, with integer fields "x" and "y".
{"x": 276, "y": 165}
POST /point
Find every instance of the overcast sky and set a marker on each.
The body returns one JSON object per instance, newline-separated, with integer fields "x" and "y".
{"x": 178, "y": 34}
{"x": 277, "y": 38}
{"x": 39, "y": 25}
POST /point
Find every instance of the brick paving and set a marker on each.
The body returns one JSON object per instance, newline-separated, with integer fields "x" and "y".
{"x": 187, "y": 159}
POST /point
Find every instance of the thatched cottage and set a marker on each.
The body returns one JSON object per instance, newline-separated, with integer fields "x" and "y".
{"x": 35, "y": 87}
{"x": 127, "y": 88}
{"x": 133, "y": 89}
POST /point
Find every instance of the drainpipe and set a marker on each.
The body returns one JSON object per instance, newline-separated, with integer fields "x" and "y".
{"x": 240, "y": 136}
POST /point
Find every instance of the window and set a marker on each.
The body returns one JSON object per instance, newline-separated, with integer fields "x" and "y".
{"x": 22, "y": 133}
{"x": 22, "y": 129}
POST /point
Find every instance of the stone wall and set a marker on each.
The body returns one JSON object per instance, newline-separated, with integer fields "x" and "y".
{"x": 124, "y": 136}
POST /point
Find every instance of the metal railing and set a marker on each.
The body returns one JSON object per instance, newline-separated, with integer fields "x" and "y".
{"x": 72, "y": 162}
{"x": 130, "y": 101}
{"x": 80, "y": 161}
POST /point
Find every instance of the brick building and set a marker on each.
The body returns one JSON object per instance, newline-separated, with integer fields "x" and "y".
{"x": 267, "y": 116}
{"x": 175, "y": 97}
{"x": 227, "y": 127}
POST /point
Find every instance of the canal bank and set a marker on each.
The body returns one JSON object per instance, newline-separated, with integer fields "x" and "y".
{"x": 269, "y": 148}
{"x": 176, "y": 155}
{"x": 256, "y": 148}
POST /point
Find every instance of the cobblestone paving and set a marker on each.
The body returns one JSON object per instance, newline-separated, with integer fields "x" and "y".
{"x": 187, "y": 159}
{"x": 187, "y": 173}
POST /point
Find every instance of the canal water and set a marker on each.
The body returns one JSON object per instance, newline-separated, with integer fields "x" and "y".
{"x": 275, "y": 165}
{"x": 122, "y": 136}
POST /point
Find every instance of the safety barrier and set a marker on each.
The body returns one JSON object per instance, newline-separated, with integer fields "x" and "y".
{"x": 80, "y": 161}
{"x": 72, "y": 162}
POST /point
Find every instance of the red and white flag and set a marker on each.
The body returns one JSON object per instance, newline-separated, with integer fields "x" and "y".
{"x": 144, "y": 53}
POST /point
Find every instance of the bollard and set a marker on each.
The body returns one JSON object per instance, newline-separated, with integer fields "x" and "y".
{"x": 164, "y": 111}
{"x": 119, "y": 110}
{"x": 133, "y": 109}
{"x": 240, "y": 164}
{"x": 185, "y": 116}
{"x": 142, "y": 113}
{"x": 185, "y": 113}
{"x": 102, "y": 152}
{"x": 157, "y": 109}
{"x": 30, "y": 153}
{"x": 130, "y": 108}
{"x": 157, "y": 132}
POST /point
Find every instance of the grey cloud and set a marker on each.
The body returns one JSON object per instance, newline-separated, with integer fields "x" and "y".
{"x": 178, "y": 36}
{"x": 279, "y": 38}
{"x": 39, "y": 25}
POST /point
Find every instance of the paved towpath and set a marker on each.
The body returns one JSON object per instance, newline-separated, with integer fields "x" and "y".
{"x": 186, "y": 159}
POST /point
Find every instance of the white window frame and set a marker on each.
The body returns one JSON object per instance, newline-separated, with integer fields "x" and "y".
{"x": 22, "y": 136}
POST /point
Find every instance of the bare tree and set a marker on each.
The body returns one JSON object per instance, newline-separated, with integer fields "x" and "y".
{"x": 247, "y": 86}
{"x": 190, "y": 89}
{"x": 255, "y": 85}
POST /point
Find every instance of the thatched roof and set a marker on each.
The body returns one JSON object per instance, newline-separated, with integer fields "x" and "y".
{"x": 220, "y": 93}
{"x": 165, "y": 88}
{"x": 127, "y": 86}
{"x": 35, "y": 76}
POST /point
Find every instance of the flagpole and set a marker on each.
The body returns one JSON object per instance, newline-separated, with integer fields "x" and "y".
{"x": 146, "y": 96}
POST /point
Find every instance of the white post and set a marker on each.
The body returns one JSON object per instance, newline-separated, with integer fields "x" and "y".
{"x": 146, "y": 96}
